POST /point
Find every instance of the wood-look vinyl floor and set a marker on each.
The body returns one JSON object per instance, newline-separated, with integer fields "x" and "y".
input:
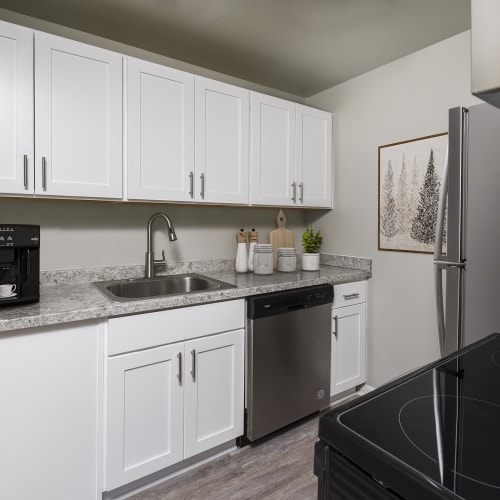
{"x": 277, "y": 468}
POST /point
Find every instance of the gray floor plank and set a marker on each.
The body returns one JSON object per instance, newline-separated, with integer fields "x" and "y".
{"x": 277, "y": 468}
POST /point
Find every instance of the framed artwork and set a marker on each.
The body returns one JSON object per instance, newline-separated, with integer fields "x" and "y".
{"x": 409, "y": 183}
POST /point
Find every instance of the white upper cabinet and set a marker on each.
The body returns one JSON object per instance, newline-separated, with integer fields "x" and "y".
{"x": 291, "y": 154}
{"x": 313, "y": 159}
{"x": 78, "y": 120}
{"x": 272, "y": 151}
{"x": 221, "y": 148}
{"x": 187, "y": 138}
{"x": 160, "y": 132}
{"x": 16, "y": 109}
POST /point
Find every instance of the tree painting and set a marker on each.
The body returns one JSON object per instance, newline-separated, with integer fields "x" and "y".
{"x": 409, "y": 197}
{"x": 423, "y": 227}
{"x": 388, "y": 215}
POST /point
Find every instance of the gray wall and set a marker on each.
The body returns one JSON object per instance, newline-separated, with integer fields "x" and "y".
{"x": 80, "y": 234}
{"x": 403, "y": 100}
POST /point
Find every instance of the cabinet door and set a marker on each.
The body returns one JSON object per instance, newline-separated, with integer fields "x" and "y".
{"x": 144, "y": 413}
{"x": 50, "y": 423}
{"x": 272, "y": 151}
{"x": 160, "y": 132}
{"x": 221, "y": 151}
{"x": 348, "y": 348}
{"x": 16, "y": 109}
{"x": 313, "y": 159}
{"x": 78, "y": 121}
{"x": 213, "y": 401}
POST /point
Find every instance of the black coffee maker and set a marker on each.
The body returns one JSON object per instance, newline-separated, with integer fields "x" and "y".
{"x": 19, "y": 264}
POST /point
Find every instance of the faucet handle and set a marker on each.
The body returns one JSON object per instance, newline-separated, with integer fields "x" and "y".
{"x": 162, "y": 261}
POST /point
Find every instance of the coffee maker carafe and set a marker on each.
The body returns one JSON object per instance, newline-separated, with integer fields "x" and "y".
{"x": 19, "y": 264}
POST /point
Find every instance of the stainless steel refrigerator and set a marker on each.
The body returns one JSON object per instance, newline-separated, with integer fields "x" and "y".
{"x": 467, "y": 274}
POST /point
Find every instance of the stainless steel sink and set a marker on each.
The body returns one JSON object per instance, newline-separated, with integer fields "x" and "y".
{"x": 159, "y": 286}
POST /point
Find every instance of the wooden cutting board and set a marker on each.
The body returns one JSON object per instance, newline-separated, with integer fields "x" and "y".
{"x": 281, "y": 237}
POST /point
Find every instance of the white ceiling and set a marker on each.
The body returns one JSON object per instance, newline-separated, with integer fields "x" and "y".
{"x": 297, "y": 46}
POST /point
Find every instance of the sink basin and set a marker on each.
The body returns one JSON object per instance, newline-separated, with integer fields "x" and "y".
{"x": 159, "y": 286}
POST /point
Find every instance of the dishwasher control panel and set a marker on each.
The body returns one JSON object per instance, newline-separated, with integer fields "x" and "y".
{"x": 269, "y": 304}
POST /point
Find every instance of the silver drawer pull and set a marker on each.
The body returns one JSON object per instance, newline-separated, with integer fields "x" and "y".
{"x": 351, "y": 296}
{"x": 193, "y": 371}
{"x": 335, "y": 324}
{"x": 25, "y": 168}
{"x": 202, "y": 193}
{"x": 179, "y": 373}
{"x": 44, "y": 173}
{"x": 191, "y": 184}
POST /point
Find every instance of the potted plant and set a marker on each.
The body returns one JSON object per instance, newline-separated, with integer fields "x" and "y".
{"x": 311, "y": 242}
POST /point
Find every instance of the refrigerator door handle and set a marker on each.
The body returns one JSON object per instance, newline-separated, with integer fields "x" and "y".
{"x": 438, "y": 255}
{"x": 438, "y": 279}
{"x": 438, "y": 241}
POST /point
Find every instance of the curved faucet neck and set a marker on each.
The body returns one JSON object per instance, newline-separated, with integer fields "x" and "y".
{"x": 149, "y": 266}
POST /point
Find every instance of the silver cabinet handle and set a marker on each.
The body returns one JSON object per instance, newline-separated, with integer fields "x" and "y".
{"x": 193, "y": 370}
{"x": 179, "y": 373}
{"x": 25, "y": 171}
{"x": 301, "y": 197}
{"x": 351, "y": 296}
{"x": 294, "y": 196}
{"x": 335, "y": 325}
{"x": 191, "y": 184}
{"x": 202, "y": 194}
{"x": 44, "y": 173}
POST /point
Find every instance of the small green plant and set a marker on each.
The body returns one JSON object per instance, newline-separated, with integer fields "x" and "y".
{"x": 311, "y": 241}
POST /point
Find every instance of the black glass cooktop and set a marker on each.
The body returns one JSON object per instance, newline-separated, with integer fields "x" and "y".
{"x": 438, "y": 428}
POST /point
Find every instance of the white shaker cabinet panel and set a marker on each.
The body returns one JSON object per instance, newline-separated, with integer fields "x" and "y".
{"x": 50, "y": 422}
{"x": 221, "y": 142}
{"x": 313, "y": 160}
{"x": 16, "y": 110}
{"x": 78, "y": 121}
{"x": 144, "y": 413}
{"x": 160, "y": 132}
{"x": 348, "y": 353}
{"x": 272, "y": 151}
{"x": 213, "y": 404}
{"x": 173, "y": 391}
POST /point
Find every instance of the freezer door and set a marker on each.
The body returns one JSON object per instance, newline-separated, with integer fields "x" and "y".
{"x": 482, "y": 284}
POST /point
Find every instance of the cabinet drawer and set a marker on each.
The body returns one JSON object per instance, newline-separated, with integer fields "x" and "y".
{"x": 348, "y": 294}
{"x": 141, "y": 331}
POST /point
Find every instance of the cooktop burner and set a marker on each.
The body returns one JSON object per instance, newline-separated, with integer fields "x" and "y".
{"x": 440, "y": 426}
{"x": 479, "y": 415}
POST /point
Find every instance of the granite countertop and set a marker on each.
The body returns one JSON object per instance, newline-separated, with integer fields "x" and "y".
{"x": 65, "y": 296}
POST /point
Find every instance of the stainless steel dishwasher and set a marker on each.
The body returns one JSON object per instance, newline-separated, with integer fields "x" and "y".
{"x": 288, "y": 357}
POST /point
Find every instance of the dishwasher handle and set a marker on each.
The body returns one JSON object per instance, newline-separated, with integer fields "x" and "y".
{"x": 297, "y": 306}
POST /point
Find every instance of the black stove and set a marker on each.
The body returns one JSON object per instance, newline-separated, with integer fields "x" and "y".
{"x": 433, "y": 433}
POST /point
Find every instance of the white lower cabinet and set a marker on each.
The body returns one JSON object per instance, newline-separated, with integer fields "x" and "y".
{"x": 145, "y": 413}
{"x": 169, "y": 402}
{"x": 213, "y": 391}
{"x": 348, "y": 337}
{"x": 50, "y": 430}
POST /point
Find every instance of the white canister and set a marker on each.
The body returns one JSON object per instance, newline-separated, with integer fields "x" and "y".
{"x": 287, "y": 260}
{"x": 263, "y": 260}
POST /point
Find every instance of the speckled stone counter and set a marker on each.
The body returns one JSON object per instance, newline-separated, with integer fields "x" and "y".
{"x": 67, "y": 296}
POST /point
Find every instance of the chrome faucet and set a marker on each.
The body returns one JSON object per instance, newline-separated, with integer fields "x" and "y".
{"x": 150, "y": 256}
